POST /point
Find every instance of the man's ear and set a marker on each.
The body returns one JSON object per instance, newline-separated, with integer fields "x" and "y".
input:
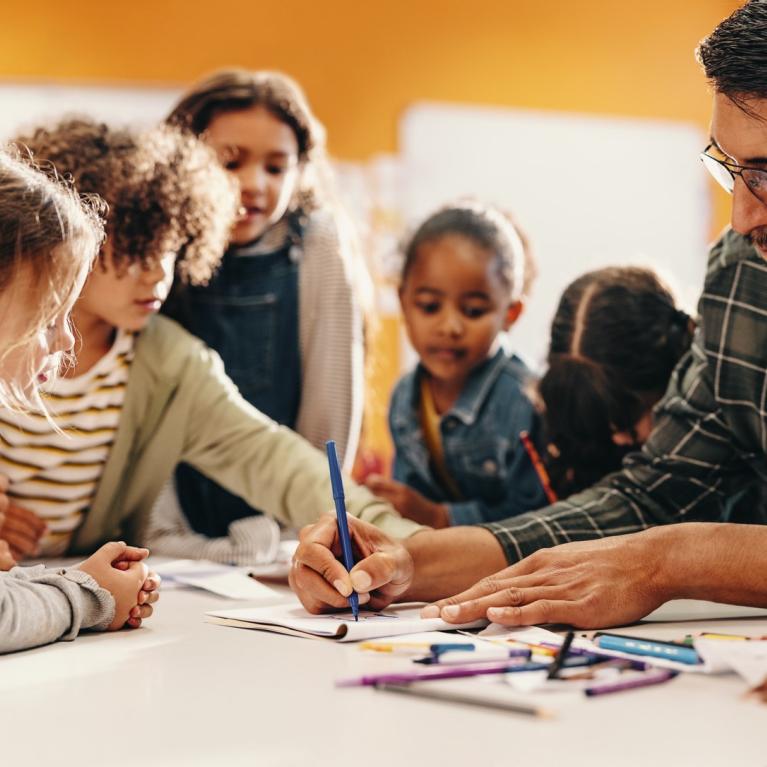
{"x": 512, "y": 314}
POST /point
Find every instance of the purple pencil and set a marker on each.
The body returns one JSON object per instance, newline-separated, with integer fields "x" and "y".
{"x": 453, "y": 672}
{"x": 652, "y": 677}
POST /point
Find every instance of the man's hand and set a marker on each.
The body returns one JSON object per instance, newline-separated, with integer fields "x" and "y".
{"x": 383, "y": 572}
{"x": 589, "y": 584}
{"x": 119, "y": 569}
{"x": 21, "y": 529}
{"x": 408, "y": 502}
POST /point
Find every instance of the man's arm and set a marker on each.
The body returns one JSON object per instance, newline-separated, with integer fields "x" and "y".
{"x": 426, "y": 566}
{"x": 687, "y": 471}
{"x": 619, "y": 580}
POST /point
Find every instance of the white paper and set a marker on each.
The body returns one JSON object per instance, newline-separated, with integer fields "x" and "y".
{"x": 224, "y": 580}
{"x": 393, "y": 621}
{"x": 747, "y": 659}
{"x": 699, "y": 610}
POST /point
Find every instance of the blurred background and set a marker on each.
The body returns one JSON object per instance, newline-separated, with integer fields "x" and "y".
{"x": 582, "y": 119}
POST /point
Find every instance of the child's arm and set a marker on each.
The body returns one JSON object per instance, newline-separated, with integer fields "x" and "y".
{"x": 269, "y": 466}
{"x": 252, "y": 540}
{"x": 331, "y": 336}
{"x": 39, "y": 605}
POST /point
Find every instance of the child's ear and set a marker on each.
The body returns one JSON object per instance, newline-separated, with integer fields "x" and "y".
{"x": 512, "y": 314}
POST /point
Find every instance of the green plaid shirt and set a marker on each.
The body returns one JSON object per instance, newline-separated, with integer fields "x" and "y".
{"x": 705, "y": 459}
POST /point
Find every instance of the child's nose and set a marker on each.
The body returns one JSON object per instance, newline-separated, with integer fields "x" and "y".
{"x": 452, "y": 323}
{"x": 253, "y": 178}
{"x": 65, "y": 339}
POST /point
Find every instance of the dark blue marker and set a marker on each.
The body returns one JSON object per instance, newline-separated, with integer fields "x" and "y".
{"x": 343, "y": 527}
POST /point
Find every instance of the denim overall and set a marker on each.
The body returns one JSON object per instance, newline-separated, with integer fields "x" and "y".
{"x": 248, "y": 313}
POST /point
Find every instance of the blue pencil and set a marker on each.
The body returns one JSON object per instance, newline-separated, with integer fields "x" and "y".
{"x": 343, "y": 527}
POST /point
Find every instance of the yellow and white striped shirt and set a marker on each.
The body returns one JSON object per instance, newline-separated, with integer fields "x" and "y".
{"x": 56, "y": 475}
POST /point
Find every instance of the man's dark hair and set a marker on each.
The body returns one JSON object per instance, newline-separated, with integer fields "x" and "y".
{"x": 734, "y": 55}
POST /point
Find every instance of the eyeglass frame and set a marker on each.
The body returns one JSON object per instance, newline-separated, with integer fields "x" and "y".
{"x": 733, "y": 170}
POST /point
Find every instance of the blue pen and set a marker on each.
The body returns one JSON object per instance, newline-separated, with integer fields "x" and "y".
{"x": 655, "y": 649}
{"x": 343, "y": 527}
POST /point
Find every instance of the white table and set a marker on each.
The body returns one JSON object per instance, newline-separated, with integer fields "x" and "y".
{"x": 183, "y": 692}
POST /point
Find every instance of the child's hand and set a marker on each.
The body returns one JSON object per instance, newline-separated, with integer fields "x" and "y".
{"x": 383, "y": 573}
{"x": 150, "y": 589}
{"x": 125, "y": 582}
{"x": 21, "y": 529}
{"x": 6, "y": 559}
{"x": 408, "y": 502}
{"x": 149, "y": 594}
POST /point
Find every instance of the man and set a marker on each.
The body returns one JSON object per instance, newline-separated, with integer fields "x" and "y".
{"x": 704, "y": 463}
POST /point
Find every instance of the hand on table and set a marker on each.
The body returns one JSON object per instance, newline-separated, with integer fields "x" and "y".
{"x": 408, "y": 502}
{"x": 587, "y": 584}
{"x": 119, "y": 569}
{"x": 150, "y": 589}
{"x": 383, "y": 572}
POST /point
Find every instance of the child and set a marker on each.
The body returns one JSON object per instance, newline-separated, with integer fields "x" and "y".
{"x": 282, "y": 310}
{"x": 615, "y": 339}
{"x": 145, "y": 394}
{"x": 48, "y": 239}
{"x": 456, "y": 419}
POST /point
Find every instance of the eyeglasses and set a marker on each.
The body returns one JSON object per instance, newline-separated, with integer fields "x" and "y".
{"x": 724, "y": 173}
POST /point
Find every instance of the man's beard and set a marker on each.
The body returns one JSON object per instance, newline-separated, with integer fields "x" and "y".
{"x": 758, "y": 237}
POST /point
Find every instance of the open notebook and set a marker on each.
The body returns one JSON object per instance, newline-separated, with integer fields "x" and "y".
{"x": 294, "y": 620}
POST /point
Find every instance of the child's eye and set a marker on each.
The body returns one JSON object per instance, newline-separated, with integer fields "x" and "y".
{"x": 275, "y": 170}
{"x": 231, "y": 165}
{"x": 428, "y": 307}
{"x": 474, "y": 312}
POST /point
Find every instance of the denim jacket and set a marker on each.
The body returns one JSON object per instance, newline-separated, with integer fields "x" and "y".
{"x": 480, "y": 438}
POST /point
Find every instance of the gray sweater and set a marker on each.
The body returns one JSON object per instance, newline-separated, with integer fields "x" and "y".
{"x": 39, "y": 606}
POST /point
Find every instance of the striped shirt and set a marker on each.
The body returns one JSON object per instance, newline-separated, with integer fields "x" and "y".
{"x": 56, "y": 475}
{"x": 706, "y": 459}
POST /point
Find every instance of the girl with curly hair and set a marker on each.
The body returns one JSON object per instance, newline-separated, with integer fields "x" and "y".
{"x": 48, "y": 240}
{"x": 144, "y": 394}
{"x": 282, "y": 310}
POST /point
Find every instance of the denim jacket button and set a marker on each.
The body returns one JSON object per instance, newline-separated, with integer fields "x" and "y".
{"x": 450, "y": 423}
{"x": 490, "y": 466}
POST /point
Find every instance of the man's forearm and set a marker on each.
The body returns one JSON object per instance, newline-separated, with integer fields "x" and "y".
{"x": 450, "y": 560}
{"x": 714, "y": 561}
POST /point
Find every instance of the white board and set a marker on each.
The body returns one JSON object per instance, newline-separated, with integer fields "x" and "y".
{"x": 589, "y": 191}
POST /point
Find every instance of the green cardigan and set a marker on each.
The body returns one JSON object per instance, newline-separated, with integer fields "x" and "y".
{"x": 181, "y": 406}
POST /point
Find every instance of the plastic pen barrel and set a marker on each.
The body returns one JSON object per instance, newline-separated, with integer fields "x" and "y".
{"x": 343, "y": 528}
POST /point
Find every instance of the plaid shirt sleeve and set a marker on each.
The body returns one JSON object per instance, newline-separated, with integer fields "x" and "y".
{"x": 708, "y": 445}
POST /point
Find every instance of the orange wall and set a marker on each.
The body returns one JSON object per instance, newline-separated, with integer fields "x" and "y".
{"x": 362, "y": 63}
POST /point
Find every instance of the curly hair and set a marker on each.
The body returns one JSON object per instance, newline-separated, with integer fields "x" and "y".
{"x": 615, "y": 339}
{"x": 47, "y": 227}
{"x": 233, "y": 90}
{"x": 165, "y": 190}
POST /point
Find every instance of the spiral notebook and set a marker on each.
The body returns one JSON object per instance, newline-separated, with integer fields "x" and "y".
{"x": 294, "y": 620}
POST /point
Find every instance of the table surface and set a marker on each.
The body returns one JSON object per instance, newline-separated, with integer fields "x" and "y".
{"x": 180, "y": 691}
